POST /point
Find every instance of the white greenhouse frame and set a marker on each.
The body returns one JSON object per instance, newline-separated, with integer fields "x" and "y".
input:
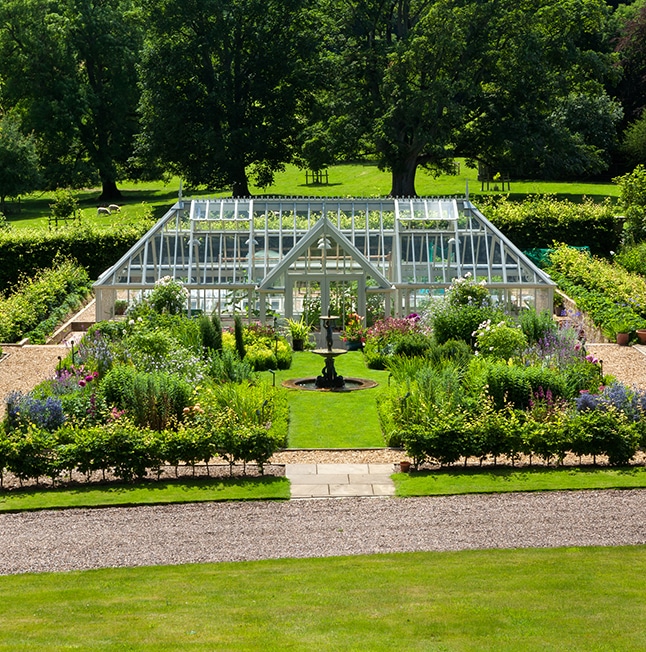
{"x": 234, "y": 253}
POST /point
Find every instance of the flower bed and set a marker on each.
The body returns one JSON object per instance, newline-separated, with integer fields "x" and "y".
{"x": 138, "y": 394}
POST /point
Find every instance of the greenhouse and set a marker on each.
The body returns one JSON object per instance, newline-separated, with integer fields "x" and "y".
{"x": 279, "y": 257}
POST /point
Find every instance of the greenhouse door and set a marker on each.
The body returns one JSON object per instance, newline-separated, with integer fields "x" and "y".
{"x": 334, "y": 293}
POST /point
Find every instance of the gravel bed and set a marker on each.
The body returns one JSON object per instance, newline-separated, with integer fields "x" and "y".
{"x": 216, "y": 532}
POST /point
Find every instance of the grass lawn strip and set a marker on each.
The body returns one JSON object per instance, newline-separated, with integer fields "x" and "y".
{"x": 149, "y": 493}
{"x": 504, "y": 600}
{"x": 333, "y": 419}
{"x": 461, "y": 481}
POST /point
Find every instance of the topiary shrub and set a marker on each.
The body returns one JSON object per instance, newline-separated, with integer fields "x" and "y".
{"x": 413, "y": 345}
{"x": 238, "y": 332}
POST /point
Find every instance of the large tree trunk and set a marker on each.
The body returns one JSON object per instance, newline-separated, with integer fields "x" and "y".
{"x": 403, "y": 178}
{"x": 240, "y": 185}
{"x": 109, "y": 191}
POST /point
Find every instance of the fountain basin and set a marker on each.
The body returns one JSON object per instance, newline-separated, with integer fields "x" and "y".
{"x": 350, "y": 384}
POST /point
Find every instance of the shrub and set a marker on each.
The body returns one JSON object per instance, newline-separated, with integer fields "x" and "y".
{"x": 238, "y": 332}
{"x": 217, "y": 330}
{"x": 456, "y": 351}
{"x": 210, "y": 339}
{"x": 383, "y": 335}
{"x": 514, "y": 385}
{"x": 536, "y": 326}
{"x": 633, "y": 258}
{"x": 131, "y": 451}
{"x": 189, "y": 445}
{"x": 632, "y": 197}
{"x": 169, "y": 297}
{"x": 467, "y": 291}
{"x": 499, "y": 340}
{"x": 153, "y": 400}
{"x": 246, "y": 422}
{"x": 609, "y": 432}
{"x": 23, "y": 252}
{"x": 540, "y": 220}
{"x": 460, "y": 323}
{"x": 35, "y": 299}
{"x": 413, "y": 345}
{"x": 441, "y": 439}
{"x": 30, "y": 455}
{"x": 606, "y": 291}
{"x": 225, "y": 366}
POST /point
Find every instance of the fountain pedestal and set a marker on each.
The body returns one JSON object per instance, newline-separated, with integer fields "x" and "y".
{"x": 329, "y": 378}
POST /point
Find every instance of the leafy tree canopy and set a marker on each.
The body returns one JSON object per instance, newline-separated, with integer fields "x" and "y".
{"x": 69, "y": 68}
{"x": 222, "y": 80}
{"x": 18, "y": 160}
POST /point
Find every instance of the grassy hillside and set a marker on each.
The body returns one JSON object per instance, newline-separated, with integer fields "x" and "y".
{"x": 356, "y": 180}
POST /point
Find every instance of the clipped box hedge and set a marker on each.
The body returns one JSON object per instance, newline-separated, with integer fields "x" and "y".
{"x": 539, "y": 221}
{"x": 24, "y": 253}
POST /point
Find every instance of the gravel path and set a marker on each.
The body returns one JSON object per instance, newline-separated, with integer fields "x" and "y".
{"x": 197, "y": 533}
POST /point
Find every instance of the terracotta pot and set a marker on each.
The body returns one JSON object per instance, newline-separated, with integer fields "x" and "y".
{"x": 622, "y": 338}
{"x": 641, "y": 334}
{"x": 404, "y": 467}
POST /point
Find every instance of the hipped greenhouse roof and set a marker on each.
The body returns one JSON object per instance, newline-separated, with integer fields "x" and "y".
{"x": 401, "y": 245}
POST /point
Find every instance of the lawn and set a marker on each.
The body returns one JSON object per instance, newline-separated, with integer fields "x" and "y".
{"x": 348, "y": 180}
{"x": 499, "y": 480}
{"x": 333, "y": 419}
{"x": 146, "y": 493}
{"x": 572, "y": 599}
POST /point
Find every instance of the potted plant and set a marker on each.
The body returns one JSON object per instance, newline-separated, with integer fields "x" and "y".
{"x": 354, "y": 333}
{"x": 120, "y": 307}
{"x": 299, "y": 330}
{"x": 641, "y": 334}
{"x": 621, "y": 327}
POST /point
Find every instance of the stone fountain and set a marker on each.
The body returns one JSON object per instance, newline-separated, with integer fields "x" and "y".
{"x": 329, "y": 380}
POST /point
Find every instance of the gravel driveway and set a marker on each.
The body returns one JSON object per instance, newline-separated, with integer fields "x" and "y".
{"x": 212, "y": 532}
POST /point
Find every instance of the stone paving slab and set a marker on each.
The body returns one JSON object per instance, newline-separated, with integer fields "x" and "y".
{"x": 340, "y": 480}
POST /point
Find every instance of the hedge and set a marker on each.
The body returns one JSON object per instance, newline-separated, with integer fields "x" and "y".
{"x": 540, "y": 220}
{"x": 24, "y": 252}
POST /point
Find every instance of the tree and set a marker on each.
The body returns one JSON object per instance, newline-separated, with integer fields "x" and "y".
{"x": 222, "y": 80}
{"x": 18, "y": 160}
{"x": 634, "y": 145}
{"x": 631, "y": 47}
{"x": 419, "y": 81}
{"x": 69, "y": 71}
{"x": 541, "y": 88}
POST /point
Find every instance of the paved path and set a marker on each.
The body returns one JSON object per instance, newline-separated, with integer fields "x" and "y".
{"x": 340, "y": 480}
